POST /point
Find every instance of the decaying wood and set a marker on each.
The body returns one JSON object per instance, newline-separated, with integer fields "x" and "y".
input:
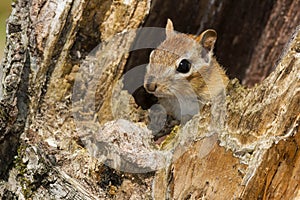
{"x": 62, "y": 105}
{"x": 267, "y": 151}
{"x": 48, "y": 39}
{"x": 14, "y": 100}
{"x": 274, "y": 36}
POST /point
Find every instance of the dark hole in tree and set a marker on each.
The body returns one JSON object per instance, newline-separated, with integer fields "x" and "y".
{"x": 239, "y": 25}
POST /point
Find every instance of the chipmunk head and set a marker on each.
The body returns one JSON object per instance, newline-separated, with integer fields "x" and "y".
{"x": 180, "y": 63}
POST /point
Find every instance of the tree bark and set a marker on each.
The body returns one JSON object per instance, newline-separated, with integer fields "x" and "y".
{"x": 60, "y": 87}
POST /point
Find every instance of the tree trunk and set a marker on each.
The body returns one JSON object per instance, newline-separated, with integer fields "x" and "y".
{"x": 69, "y": 130}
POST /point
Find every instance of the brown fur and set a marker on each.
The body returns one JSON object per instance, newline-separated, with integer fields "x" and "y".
{"x": 206, "y": 79}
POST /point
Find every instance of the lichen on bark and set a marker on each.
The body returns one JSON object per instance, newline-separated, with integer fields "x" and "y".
{"x": 254, "y": 155}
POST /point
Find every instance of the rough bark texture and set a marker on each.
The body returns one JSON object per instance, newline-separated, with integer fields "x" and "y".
{"x": 269, "y": 152}
{"x": 251, "y": 34}
{"x": 57, "y": 95}
{"x": 276, "y": 33}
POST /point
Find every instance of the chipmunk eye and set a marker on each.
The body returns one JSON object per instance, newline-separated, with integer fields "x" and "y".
{"x": 184, "y": 66}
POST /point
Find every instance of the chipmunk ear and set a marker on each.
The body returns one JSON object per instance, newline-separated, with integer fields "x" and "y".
{"x": 169, "y": 28}
{"x": 207, "y": 39}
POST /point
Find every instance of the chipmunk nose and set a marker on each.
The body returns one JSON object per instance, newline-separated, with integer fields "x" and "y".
{"x": 150, "y": 85}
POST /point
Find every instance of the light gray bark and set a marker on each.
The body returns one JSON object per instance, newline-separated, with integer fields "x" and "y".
{"x": 46, "y": 132}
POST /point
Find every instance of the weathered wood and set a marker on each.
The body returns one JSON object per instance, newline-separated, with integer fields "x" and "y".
{"x": 57, "y": 38}
{"x": 14, "y": 100}
{"x": 271, "y": 45}
{"x": 55, "y": 96}
{"x": 256, "y": 136}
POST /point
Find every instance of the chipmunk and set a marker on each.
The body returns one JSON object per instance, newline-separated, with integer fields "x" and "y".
{"x": 183, "y": 72}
